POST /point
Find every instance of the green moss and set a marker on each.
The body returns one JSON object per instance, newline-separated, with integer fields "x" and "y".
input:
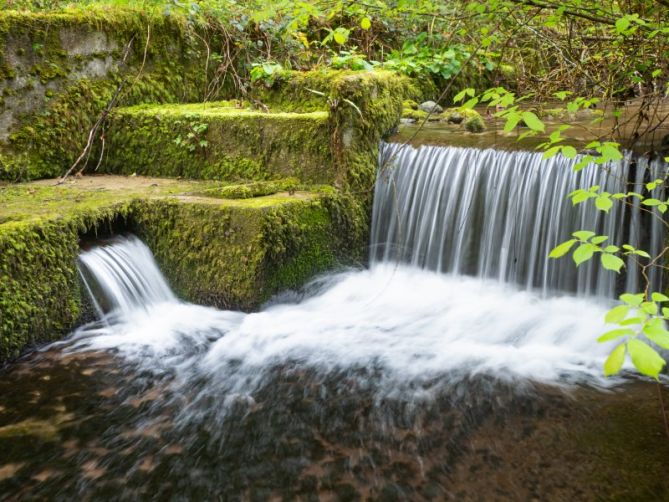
{"x": 39, "y": 291}
{"x": 219, "y": 142}
{"x": 475, "y": 125}
{"x": 47, "y": 140}
{"x": 417, "y": 115}
{"x": 255, "y": 189}
{"x": 409, "y": 104}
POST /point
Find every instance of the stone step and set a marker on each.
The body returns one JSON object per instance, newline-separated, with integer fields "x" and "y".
{"x": 219, "y": 141}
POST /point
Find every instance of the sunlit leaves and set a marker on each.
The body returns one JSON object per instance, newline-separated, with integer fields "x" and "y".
{"x": 617, "y": 314}
{"x": 612, "y": 262}
{"x": 365, "y": 23}
{"x": 583, "y": 253}
{"x": 645, "y": 358}
{"x": 603, "y": 202}
{"x": 615, "y": 360}
{"x": 463, "y": 94}
{"x": 562, "y": 249}
{"x": 533, "y": 122}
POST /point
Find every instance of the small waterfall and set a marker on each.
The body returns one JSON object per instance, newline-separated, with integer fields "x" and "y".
{"x": 498, "y": 214}
{"x": 122, "y": 276}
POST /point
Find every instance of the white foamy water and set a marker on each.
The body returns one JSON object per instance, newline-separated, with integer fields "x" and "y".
{"x": 411, "y": 325}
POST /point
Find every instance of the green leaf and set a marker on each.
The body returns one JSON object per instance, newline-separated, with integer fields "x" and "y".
{"x": 658, "y": 335}
{"x": 583, "y": 253}
{"x": 622, "y": 24}
{"x": 365, "y": 23}
{"x": 615, "y": 333}
{"x": 470, "y": 103}
{"x": 611, "y": 262}
{"x": 649, "y": 308}
{"x": 511, "y": 122}
{"x": 569, "y": 152}
{"x": 562, "y": 249}
{"x": 603, "y": 203}
{"x": 659, "y": 297}
{"x": 645, "y": 358}
{"x": 583, "y": 235}
{"x": 632, "y": 321}
{"x": 463, "y": 94}
{"x": 633, "y": 300}
{"x": 599, "y": 239}
{"x": 533, "y": 122}
{"x": 615, "y": 360}
{"x": 551, "y": 152}
{"x": 610, "y": 151}
{"x": 616, "y": 314}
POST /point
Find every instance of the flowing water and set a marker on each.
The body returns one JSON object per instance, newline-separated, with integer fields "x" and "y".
{"x": 446, "y": 371}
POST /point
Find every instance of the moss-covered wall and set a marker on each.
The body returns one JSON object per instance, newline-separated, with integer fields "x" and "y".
{"x": 330, "y": 135}
{"x": 40, "y": 297}
{"x": 363, "y": 107}
{"x": 58, "y": 71}
{"x": 238, "y": 255}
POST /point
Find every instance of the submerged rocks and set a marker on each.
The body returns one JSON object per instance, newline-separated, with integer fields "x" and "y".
{"x": 455, "y": 118}
{"x": 471, "y": 120}
{"x": 430, "y": 107}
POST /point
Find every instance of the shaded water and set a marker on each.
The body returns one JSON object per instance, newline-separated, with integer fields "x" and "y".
{"x": 393, "y": 383}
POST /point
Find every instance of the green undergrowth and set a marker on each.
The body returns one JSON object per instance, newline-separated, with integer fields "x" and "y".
{"x": 214, "y": 247}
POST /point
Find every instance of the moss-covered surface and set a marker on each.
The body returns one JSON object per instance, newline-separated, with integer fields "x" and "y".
{"x": 363, "y": 107}
{"x": 227, "y": 252}
{"x": 219, "y": 141}
{"x": 58, "y": 71}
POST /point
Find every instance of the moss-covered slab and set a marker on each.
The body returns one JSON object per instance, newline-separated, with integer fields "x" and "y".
{"x": 219, "y": 141}
{"x": 227, "y": 252}
{"x": 58, "y": 71}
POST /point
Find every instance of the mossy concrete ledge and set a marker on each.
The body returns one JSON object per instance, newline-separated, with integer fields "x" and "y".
{"x": 229, "y": 253}
{"x": 219, "y": 141}
{"x": 319, "y": 126}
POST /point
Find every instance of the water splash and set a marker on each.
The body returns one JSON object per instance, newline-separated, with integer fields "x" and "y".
{"x": 494, "y": 215}
{"x": 122, "y": 276}
{"x": 413, "y": 326}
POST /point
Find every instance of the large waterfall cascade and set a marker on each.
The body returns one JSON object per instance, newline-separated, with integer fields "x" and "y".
{"x": 498, "y": 214}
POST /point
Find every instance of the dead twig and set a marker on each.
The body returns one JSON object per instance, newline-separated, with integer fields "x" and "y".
{"x": 101, "y": 119}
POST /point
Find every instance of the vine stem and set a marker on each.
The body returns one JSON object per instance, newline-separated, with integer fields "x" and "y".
{"x": 664, "y": 410}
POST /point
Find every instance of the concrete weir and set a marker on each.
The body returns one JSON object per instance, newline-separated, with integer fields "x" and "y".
{"x": 260, "y": 198}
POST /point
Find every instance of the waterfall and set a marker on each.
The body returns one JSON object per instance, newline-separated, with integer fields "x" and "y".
{"x": 474, "y": 291}
{"x": 498, "y": 214}
{"x": 122, "y": 276}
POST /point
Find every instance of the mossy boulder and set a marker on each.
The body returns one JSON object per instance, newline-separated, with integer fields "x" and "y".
{"x": 474, "y": 125}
